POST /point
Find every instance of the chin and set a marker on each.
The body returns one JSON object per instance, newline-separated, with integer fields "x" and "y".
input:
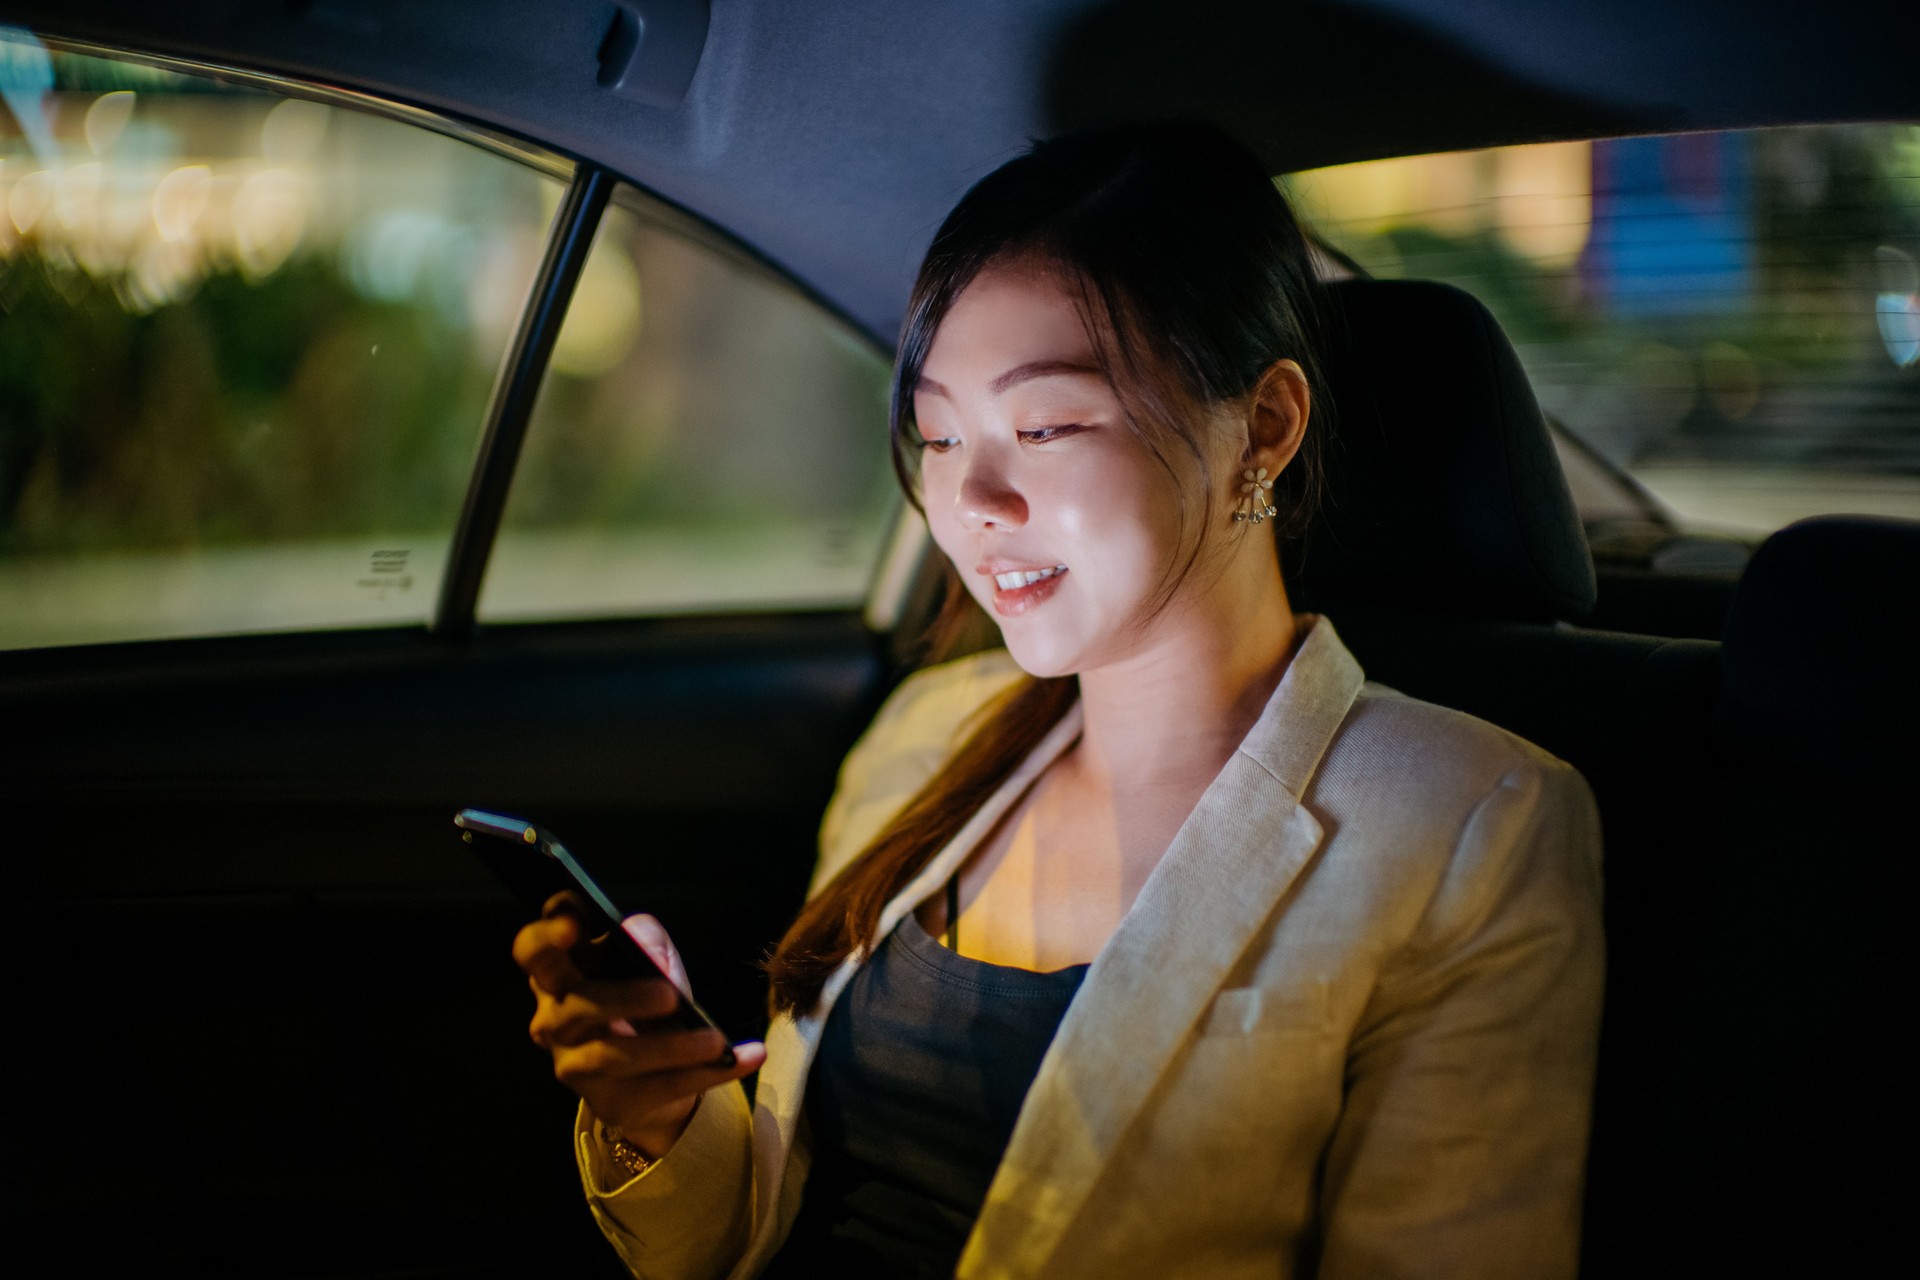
{"x": 1041, "y": 656}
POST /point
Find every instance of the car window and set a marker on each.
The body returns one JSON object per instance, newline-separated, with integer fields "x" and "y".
{"x": 706, "y": 439}
{"x": 247, "y": 342}
{"x": 1732, "y": 318}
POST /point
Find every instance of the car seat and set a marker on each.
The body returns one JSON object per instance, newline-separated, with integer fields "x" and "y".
{"x": 1773, "y": 1142}
{"x": 1449, "y": 554}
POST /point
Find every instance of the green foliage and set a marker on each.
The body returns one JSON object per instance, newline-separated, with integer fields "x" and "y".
{"x": 255, "y": 410}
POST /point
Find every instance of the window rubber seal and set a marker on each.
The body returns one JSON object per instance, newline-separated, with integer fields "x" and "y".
{"x": 568, "y": 243}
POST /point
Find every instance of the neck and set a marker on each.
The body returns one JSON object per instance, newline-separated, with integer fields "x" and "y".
{"x": 1173, "y": 712}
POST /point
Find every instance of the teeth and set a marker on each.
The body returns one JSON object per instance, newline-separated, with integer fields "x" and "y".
{"x": 1010, "y": 581}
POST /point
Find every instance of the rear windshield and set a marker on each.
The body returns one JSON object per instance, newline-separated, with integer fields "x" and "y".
{"x": 1728, "y": 318}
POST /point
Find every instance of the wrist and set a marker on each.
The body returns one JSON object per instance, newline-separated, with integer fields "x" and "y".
{"x": 635, "y": 1149}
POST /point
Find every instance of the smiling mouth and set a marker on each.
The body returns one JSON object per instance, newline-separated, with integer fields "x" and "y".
{"x": 1014, "y": 581}
{"x": 1015, "y": 593}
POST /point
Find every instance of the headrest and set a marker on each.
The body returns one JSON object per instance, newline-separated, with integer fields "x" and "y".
{"x": 1443, "y": 491}
{"x": 1821, "y": 659}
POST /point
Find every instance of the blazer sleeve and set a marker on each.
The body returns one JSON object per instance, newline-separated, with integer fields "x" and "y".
{"x": 1462, "y": 1141}
{"x": 688, "y": 1216}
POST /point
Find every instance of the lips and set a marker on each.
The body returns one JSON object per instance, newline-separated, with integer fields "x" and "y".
{"x": 1034, "y": 587}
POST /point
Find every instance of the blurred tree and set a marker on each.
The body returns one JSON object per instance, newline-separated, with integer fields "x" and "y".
{"x": 288, "y": 407}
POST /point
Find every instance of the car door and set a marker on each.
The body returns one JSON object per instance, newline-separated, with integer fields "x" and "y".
{"x": 358, "y": 466}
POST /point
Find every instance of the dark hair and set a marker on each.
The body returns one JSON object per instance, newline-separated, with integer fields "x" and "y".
{"x": 1194, "y": 278}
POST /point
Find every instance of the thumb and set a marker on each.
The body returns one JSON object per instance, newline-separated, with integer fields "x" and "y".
{"x": 653, "y": 939}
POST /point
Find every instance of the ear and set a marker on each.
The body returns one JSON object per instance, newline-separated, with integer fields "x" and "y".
{"x": 1277, "y": 417}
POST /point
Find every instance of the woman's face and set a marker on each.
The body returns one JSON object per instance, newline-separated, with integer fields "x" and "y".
{"x": 1055, "y": 514}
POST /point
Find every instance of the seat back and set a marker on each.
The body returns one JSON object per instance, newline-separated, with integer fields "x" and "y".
{"x": 1444, "y": 493}
{"x": 1770, "y": 1112}
{"x": 1451, "y": 557}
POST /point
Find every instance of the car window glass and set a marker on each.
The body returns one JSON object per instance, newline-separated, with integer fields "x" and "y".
{"x": 1732, "y": 318}
{"x": 706, "y": 439}
{"x": 246, "y": 347}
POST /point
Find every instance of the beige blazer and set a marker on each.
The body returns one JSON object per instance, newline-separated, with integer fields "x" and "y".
{"x": 1346, "y": 1030}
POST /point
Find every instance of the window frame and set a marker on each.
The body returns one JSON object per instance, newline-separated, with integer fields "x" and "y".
{"x": 589, "y": 189}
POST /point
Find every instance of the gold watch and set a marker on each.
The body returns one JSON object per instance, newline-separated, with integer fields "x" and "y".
{"x": 628, "y": 1156}
{"x": 624, "y": 1153}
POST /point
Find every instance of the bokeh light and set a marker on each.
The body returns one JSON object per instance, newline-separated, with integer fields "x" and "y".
{"x": 107, "y": 119}
{"x": 28, "y": 200}
{"x": 292, "y": 132}
{"x": 605, "y": 317}
{"x": 180, "y": 201}
{"x": 269, "y": 213}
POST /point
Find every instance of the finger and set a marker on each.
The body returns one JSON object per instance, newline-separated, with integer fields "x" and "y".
{"x": 665, "y": 1087}
{"x": 557, "y": 931}
{"x": 637, "y": 998}
{"x": 653, "y": 939}
{"x": 542, "y": 950}
{"x": 638, "y": 1098}
{"x": 553, "y": 1028}
{"x": 591, "y": 1010}
{"x": 564, "y": 903}
{"x": 634, "y": 1058}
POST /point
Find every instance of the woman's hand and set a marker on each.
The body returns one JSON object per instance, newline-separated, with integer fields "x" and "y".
{"x": 637, "y": 1074}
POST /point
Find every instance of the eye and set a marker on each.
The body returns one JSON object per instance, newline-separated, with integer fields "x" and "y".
{"x": 1041, "y": 435}
{"x": 939, "y": 444}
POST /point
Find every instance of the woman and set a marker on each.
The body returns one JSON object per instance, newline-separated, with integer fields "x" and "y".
{"x": 1248, "y": 967}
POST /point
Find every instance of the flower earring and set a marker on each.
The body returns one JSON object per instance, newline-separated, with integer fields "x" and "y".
{"x": 1254, "y": 491}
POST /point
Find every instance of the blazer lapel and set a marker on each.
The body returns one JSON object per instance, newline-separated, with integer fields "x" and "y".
{"x": 1228, "y": 866}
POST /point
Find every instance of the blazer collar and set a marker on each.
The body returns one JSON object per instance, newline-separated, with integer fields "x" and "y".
{"x": 1228, "y": 866}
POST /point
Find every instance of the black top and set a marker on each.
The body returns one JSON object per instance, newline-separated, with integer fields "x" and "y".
{"x": 921, "y": 1070}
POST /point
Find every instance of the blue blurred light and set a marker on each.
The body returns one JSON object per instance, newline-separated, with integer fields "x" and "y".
{"x": 1899, "y": 316}
{"x": 26, "y": 76}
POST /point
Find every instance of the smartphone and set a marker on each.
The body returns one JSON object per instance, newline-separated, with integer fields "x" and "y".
{"x": 534, "y": 866}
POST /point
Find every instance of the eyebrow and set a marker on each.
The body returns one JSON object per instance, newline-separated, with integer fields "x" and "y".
{"x": 1021, "y": 373}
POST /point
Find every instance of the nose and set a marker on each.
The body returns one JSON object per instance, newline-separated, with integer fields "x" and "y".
{"x": 988, "y": 498}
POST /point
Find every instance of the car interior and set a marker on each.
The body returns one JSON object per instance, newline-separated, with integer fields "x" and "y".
{"x": 272, "y": 1024}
